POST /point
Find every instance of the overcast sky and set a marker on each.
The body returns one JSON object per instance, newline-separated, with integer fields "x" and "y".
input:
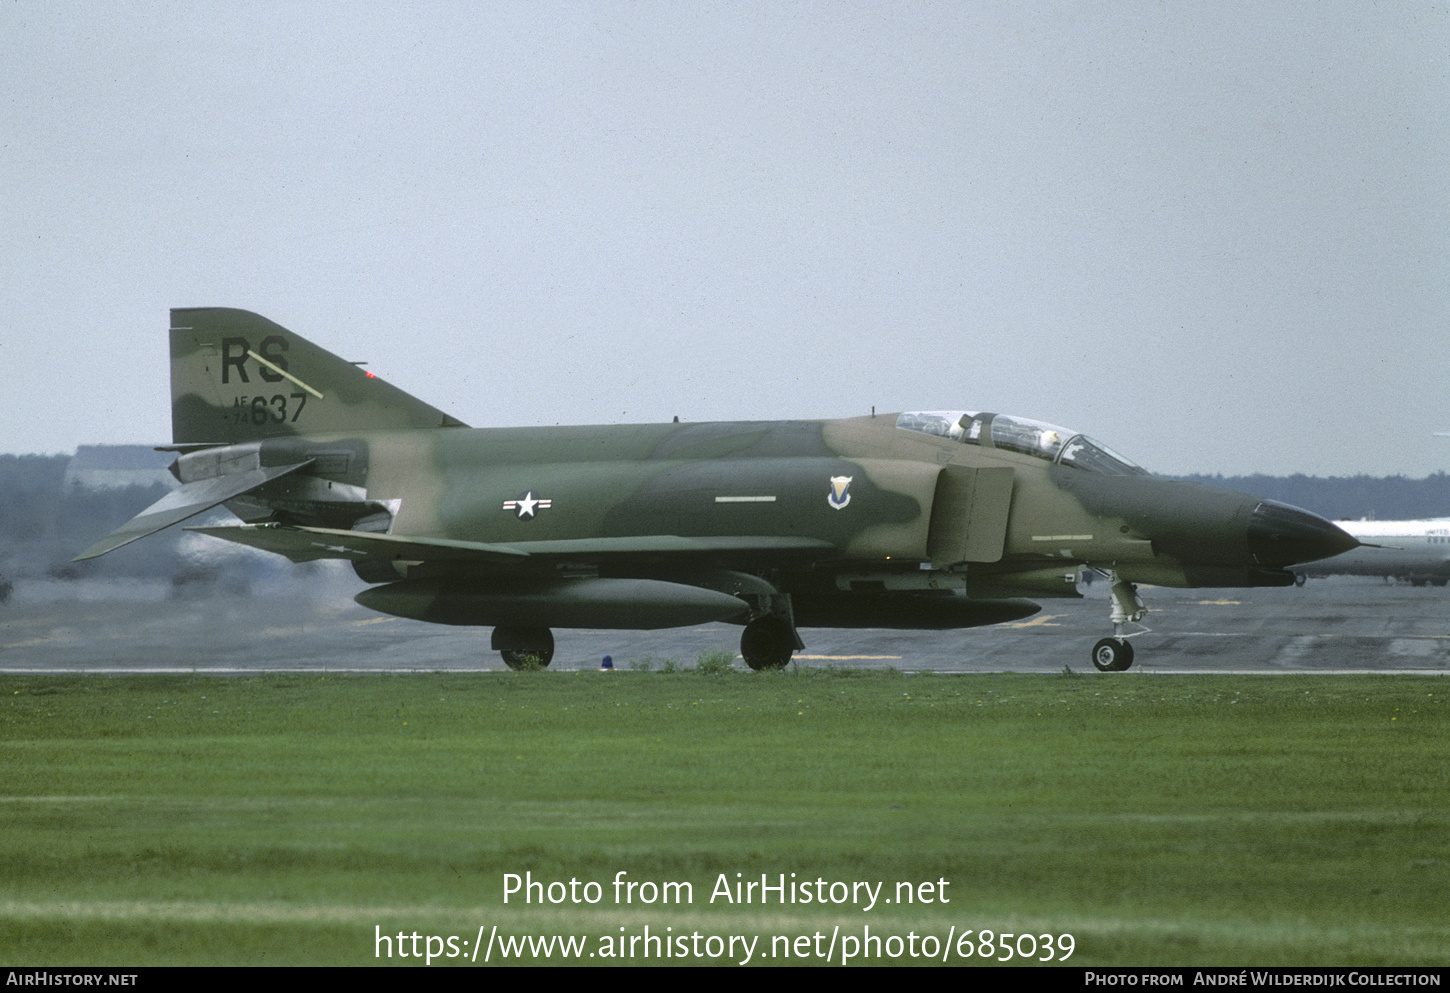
{"x": 1215, "y": 236}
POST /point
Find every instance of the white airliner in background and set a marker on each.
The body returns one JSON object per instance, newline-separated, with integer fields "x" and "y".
{"x": 1417, "y": 551}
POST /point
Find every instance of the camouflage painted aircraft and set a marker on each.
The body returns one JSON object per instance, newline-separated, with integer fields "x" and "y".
{"x": 932, "y": 519}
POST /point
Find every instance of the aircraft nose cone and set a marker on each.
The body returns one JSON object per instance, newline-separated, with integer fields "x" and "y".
{"x": 1281, "y": 535}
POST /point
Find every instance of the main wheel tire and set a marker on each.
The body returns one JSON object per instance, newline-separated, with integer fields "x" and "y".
{"x": 526, "y": 660}
{"x": 1112, "y": 655}
{"x": 766, "y": 643}
{"x": 524, "y": 648}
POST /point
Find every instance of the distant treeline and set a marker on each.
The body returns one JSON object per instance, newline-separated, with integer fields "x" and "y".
{"x": 1339, "y": 498}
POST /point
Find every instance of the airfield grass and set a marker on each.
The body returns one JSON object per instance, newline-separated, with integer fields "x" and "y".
{"x": 281, "y": 819}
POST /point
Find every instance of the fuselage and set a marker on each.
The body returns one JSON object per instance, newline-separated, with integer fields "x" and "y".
{"x": 850, "y": 504}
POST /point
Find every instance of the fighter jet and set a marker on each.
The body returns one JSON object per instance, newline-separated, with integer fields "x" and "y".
{"x": 931, "y": 519}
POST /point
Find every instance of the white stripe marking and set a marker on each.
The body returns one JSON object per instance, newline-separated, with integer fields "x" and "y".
{"x": 283, "y": 372}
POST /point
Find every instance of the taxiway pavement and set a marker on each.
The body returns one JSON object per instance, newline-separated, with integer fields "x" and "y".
{"x": 1342, "y": 624}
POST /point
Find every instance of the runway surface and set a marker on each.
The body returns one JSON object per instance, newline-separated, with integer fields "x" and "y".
{"x": 1340, "y": 624}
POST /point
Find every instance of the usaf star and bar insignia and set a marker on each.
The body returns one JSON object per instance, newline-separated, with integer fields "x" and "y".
{"x": 527, "y": 505}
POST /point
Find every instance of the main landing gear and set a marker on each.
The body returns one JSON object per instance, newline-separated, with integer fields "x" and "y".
{"x": 1115, "y": 654}
{"x": 524, "y": 648}
{"x": 770, "y": 637}
{"x": 767, "y": 643}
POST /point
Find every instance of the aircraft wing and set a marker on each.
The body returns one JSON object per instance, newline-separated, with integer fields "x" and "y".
{"x": 303, "y": 544}
{"x": 670, "y": 544}
{"x": 187, "y": 501}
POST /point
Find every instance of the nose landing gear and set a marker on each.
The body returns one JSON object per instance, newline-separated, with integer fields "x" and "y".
{"x": 1112, "y": 655}
{"x": 1115, "y": 654}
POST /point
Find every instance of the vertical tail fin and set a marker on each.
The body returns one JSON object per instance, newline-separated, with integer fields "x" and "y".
{"x": 236, "y": 376}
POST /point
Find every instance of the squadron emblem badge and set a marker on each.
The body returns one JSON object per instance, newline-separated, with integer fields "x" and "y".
{"x": 839, "y": 495}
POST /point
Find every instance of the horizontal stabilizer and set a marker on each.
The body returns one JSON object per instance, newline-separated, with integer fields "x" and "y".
{"x": 302, "y": 544}
{"x": 188, "y": 501}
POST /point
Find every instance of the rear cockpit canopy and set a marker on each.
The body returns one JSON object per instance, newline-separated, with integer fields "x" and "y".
{"x": 1019, "y": 434}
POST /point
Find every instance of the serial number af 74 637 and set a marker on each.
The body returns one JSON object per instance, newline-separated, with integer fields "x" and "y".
{"x": 268, "y": 410}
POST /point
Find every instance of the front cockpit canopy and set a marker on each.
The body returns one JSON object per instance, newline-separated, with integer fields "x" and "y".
{"x": 1019, "y": 434}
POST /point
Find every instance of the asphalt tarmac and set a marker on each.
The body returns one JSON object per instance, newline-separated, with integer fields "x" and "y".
{"x": 1340, "y": 624}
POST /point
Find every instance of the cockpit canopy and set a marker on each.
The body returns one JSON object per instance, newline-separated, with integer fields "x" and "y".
{"x": 1018, "y": 434}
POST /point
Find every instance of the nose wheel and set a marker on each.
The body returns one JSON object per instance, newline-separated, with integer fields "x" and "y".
{"x": 1115, "y": 654}
{"x": 1112, "y": 655}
